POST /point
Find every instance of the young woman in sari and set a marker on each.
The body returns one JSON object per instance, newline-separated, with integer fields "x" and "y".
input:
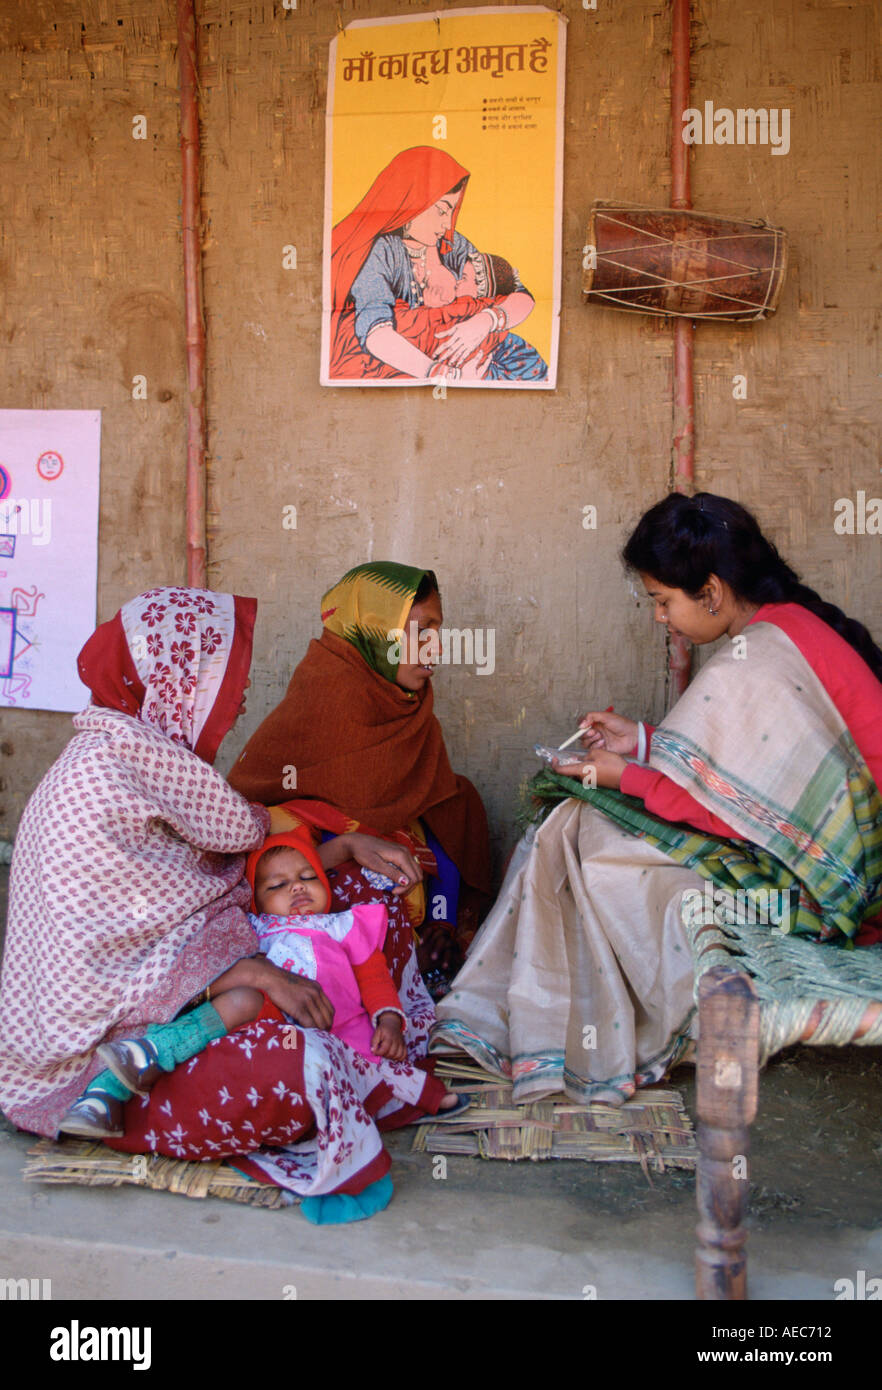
{"x": 127, "y": 903}
{"x": 357, "y": 730}
{"x": 382, "y": 255}
{"x": 763, "y": 778}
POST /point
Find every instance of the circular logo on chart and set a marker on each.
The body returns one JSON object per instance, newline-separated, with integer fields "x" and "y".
{"x": 50, "y": 465}
{"x": 5, "y": 482}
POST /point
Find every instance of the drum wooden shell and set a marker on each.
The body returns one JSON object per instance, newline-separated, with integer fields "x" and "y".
{"x": 687, "y": 264}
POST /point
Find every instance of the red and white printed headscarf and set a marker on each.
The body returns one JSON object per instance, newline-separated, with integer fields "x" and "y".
{"x": 176, "y": 659}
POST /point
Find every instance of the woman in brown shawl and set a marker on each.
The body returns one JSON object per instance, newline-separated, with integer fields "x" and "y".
{"x": 358, "y": 731}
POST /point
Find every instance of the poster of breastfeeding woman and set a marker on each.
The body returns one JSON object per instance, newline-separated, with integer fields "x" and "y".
{"x": 443, "y": 195}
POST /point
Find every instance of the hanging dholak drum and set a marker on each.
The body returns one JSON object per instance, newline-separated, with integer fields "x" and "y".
{"x": 689, "y": 264}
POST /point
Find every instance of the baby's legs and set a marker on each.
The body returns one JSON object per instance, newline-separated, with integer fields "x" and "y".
{"x": 98, "y": 1114}
{"x": 135, "y": 1064}
{"x": 166, "y": 1045}
{"x": 139, "y": 1062}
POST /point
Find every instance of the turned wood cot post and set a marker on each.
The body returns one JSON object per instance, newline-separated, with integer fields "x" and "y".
{"x": 728, "y": 1055}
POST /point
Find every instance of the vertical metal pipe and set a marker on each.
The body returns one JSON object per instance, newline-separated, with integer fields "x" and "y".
{"x": 191, "y": 226}
{"x": 683, "y": 441}
{"x": 681, "y": 196}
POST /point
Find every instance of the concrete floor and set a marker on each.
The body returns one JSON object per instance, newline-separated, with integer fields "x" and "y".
{"x": 553, "y": 1230}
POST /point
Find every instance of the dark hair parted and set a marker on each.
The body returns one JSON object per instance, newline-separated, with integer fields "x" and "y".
{"x": 682, "y": 541}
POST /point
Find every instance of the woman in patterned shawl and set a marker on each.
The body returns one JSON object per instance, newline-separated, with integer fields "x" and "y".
{"x": 357, "y": 726}
{"x": 128, "y": 898}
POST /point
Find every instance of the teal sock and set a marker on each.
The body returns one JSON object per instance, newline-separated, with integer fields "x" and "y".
{"x": 181, "y": 1039}
{"x": 339, "y": 1208}
{"x": 106, "y": 1081}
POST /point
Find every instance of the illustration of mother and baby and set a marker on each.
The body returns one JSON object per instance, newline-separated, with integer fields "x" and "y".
{"x": 412, "y": 297}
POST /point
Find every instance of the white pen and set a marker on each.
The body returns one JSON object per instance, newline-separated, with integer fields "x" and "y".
{"x": 572, "y": 739}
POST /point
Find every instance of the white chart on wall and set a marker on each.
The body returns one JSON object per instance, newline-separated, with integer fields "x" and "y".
{"x": 49, "y": 467}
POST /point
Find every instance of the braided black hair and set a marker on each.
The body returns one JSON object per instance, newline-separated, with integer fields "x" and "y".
{"x": 682, "y": 541}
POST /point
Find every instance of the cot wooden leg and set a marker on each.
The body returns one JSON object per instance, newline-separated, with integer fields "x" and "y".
{"x": 728, "y": 1052}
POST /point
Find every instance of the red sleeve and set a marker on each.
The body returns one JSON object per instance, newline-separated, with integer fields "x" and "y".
{"x": 844, "y": 674}
{"x": 376, "y": 988}
{"x": 664, "y": 798}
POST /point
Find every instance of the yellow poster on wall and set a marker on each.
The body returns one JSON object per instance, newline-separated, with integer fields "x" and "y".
{"x": 443, "y": 196}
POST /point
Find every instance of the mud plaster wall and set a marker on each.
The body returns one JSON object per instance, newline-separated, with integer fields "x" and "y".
{"x": 92, "y": 287}
{"x": 487, "y": 488}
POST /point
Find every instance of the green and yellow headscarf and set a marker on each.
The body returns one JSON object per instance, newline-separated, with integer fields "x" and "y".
{"x": 367, "y": 604}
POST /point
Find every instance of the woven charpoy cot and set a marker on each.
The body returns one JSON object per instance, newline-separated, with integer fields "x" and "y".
{"x": 797, "y": 982}
{"x": 759, "y": 990}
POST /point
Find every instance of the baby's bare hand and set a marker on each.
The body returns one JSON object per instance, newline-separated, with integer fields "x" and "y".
{"x": 387, "y": 1040}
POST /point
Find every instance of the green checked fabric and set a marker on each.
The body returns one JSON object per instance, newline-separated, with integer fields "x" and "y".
{"x": 368, "y": 604}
